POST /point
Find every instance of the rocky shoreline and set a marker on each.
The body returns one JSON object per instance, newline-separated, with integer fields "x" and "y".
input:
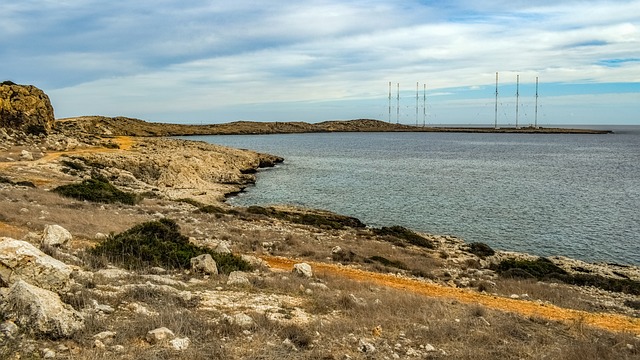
{"x": 368, "y": 293}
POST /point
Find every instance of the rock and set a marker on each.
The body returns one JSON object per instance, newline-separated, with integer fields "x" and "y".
{"x": 336, "y": 250}
{"x": 238, "y": 278}
{"x": 26, "y": 155}
{"x": 205, "y": 264}
{"x": 303, "y": 269}
{"x": 105, "y": 336}
{"x": 41, "y": 311}
{"x": 8, "y": 328}
{"x": 159, "y": 335}
{"x": 25, "y": 107}
{"x": 254, "y": 261}
{"x": 180, "y": 344}
{"x": 429, "y": 348}
{"x": 366, "y": 347}
{"x": 222, "y": 248}
{"x": 99, "y": 344}
{"x": 243, "y": 320}
{"x": 55, "y": 235}
{"x": 19, "y": 260}
{"x": 48, "y": 354}
{"x": 100, "y": 236}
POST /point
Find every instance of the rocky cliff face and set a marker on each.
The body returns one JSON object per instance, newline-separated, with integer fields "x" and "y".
{"x": 25, "y": 107}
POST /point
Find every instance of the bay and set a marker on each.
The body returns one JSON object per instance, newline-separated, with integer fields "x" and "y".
{"x": 545, "y": 194}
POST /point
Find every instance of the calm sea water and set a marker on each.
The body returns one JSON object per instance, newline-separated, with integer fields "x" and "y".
{"x": 572, "y": 195}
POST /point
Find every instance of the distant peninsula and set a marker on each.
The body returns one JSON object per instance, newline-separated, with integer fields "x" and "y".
{"x": 125, "y": 126}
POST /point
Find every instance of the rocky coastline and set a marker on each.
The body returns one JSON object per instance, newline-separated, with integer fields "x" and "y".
{"x": 286, "y": 282}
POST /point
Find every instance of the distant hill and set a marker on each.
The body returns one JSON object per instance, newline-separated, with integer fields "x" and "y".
{"x": 124, "y": 126}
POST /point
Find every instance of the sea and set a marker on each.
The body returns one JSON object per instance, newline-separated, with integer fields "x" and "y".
{"x": 545, "y": 194}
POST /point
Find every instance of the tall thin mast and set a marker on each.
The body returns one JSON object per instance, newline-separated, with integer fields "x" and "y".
{"x": 417, "y": 103}
{"x": 517, "y": 98}
{"x": 536, "y": 118}
{"x": 398, "y": 105}
{"x": 389, "y": 101}
{"x": 496, "y": 112}
{"x": 424, "y": 104}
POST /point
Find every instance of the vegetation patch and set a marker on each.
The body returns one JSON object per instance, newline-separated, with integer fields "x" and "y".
{"x": 405, "y": 235}
{"x": 73, "y": 165}
{"x": 386, "y": 262}
{"x": 212, "y": 209}
{"x": 480, "y": 249}
{"x": 544, "y": 269}
{"x": 323, "y": 220}
{"x": 5, "y": 180}
{"x": 160, "y": 243}
{"x": 97, "y": 189}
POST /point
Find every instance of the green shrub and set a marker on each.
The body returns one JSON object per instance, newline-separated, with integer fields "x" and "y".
{"x": 320, "y": 220}
{"x": 386, "y": 262}
{"x": 97, "y": 189}
{"x": 4, "y": 180}
{"x": 73, "y": 165}
{"x": 480, "y": 249}
{"x": 160, "y": 243}
{"x": 402, "y": 233}
{"x": 544, "y": 269}
{"x": 540, "y": 268}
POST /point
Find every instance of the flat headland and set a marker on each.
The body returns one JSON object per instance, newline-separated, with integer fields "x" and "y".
{"x": 125, "y": 126}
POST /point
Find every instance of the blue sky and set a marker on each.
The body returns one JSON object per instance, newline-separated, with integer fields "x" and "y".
{"x": 217, "y": 61}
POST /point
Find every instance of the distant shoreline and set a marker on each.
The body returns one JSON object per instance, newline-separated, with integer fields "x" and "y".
{"x": 123, "y": 126}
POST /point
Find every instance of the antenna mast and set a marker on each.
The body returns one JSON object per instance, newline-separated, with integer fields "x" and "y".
{"x": 417, "y": 103}
{"x": 517, "y": 98}
{"x": 398, "y": 105}
{"x": 424, "y": 104}
{"x": 389, "y": 101}
{"x": 536, "y": 121}
{"x": 496, "y": 112}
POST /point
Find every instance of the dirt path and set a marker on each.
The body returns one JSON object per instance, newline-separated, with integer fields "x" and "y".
{"x": 605, "y": 321}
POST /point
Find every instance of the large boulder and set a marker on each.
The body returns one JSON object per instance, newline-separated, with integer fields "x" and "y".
{"x": 41, "y": 311}
{"x": 204, "y": 263}
{"x": 25, "y": 107}
{"x": 19, "y": 260}
{"x": 55, "y": 235}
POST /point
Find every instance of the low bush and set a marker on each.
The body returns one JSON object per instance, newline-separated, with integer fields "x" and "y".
{"x": 404, "y": 234}
{"x": 320, "y": 220}
{"x": 480, "y": 249}
{"x": 540, "y": 268}
{"x": 97, "y": 189}
{"x": 160, "y": 243}
{"x": 4, "y": 180}
{"x": 544, "y": 269}
{"x": 73, "y": 165}
{"x": 212, "y": 209}
{"x": 386, "y": 262}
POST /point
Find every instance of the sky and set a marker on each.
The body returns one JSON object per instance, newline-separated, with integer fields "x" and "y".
{"x": 202, "y": 61}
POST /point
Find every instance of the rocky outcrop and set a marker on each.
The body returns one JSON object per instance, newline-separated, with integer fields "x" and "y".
{"x": 19, "y": 260}
{"x": 25, "y": 107}
{"x": 41, "y": 311}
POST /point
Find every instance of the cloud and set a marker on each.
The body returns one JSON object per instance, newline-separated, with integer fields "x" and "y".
{"x": 168, "y": 56}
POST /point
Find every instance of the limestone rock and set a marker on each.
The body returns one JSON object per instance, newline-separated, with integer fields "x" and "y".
{"x": 19, "y": 260}
{"x": 159, "y": 335}
{"x": 254, "y": 261}
{"x": 222, "y": 248}
{"x": 238, "y": 278}
{"x": 303, "y": 269}
{"x": 204, "y": 263}
{"x": 26, "y": 155}
{"x": 41, "y": 311}
{"x": 25, "y": 107}
{"x": 55, "y": 235}
{"x": 180, "y": 344}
